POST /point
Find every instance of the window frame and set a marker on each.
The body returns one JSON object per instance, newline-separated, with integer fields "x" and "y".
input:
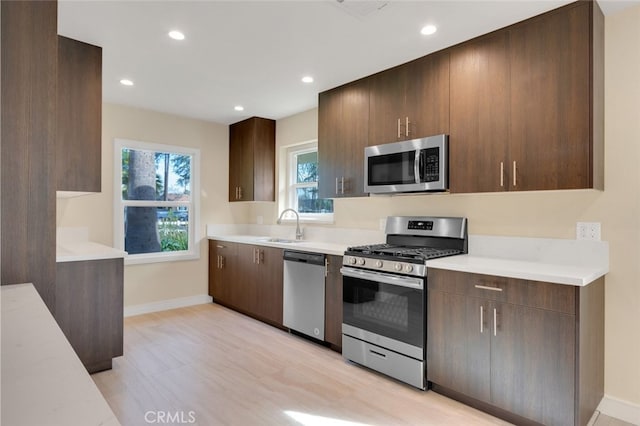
{"x": 291, "y": 199}
{"x": 193, "y": 205}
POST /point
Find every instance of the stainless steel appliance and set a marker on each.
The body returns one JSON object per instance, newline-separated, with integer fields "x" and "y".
{"x": 384, "y": 294}
{"x": 303, "y": 292}
{"x": 417, "y": 165}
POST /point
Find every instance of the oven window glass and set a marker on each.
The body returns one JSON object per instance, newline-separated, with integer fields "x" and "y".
{"x": 392, "y": 311}
{"x": 392, "y": 169}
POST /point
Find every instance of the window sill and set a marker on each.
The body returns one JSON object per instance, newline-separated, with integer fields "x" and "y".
{"x": 140, "y": 259}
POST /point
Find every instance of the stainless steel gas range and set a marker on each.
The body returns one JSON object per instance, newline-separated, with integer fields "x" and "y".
{"x": 384, "y": 294}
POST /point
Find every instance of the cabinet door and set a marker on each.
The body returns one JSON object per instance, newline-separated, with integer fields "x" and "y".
{"x": 242, "y": 291}
{"x": 479, "y": 115}
{"x": 427, "y": 96}
{"x": 89, "y": 309}
{"x": 268, "y": 278}
{"x": 533, "y": 363}
{"x": 387, "y": 113}
{"x": 329, "y": 142}
{"x": 343, "y": 118}
{"x": 333, "y": 302}
{"x": 221, "y": 270}
{"x": 458, "y": 343}
{"x": 264, "y": 154}
{"x": 550, "y": 101}
{"x": 79, "y": 116}
{"x": 241, "y": 161}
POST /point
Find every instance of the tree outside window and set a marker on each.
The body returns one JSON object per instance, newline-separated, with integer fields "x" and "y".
{"x": 303, "y": 183}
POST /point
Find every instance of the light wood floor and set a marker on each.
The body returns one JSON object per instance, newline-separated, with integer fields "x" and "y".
{"x": 222, "y": 368}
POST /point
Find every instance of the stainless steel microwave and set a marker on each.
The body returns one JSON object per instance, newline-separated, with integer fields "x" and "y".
{"x": 418, "y": 165}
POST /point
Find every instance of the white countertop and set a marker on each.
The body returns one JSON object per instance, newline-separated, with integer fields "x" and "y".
{"x": 577, "y": 275}
{"x": 560, "y": 261}
{"x": 43, "y": 380}
{"x": 308, "y": 246}
{"x": 73, "y": 245}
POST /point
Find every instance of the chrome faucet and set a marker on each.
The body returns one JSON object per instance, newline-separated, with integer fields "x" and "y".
{"x": 299, "y": 233}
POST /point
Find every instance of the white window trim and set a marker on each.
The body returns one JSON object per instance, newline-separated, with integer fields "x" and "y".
{"x": 291, "y": 185}
{"x": 118, "y": 204}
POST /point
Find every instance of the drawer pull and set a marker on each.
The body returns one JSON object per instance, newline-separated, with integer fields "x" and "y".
{"x": 481, "y": 319}
{"x": 484, "y": 287}
{"x": 495, "y": 322}
{"x": 381, "y": 355}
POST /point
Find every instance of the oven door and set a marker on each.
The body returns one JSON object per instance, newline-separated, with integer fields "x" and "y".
{"x": 385, "y": 307}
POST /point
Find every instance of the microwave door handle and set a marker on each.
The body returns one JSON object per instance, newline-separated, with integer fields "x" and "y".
{"x": 416, "y": 166}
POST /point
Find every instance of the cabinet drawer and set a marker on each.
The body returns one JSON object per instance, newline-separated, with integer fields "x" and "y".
{"x": 536, "y": 294}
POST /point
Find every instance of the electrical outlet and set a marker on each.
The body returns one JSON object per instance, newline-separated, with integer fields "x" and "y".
{"x": 588, "y": 231}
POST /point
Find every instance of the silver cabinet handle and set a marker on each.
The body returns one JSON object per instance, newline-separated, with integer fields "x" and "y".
{"x": 502, "y": 173}
{"x": 326, "y": 267}
{"x": 260, "y": 256}
{"x": 336, "y": 185}
{"x": 220, "y": 246}
{"x": 495, "y": 322}
{"x": 240, "y": 191}
{"x": 399, "y": 133}
{"x": 221, "y": 262}
{"x": 254, "y": 255}
{"x": 484, "y": 287}
{"x": 515, "y": 173}
{"x": 406, "y": 126}
{"x": 481, "y": 319}
{"x": 342, "y": 185}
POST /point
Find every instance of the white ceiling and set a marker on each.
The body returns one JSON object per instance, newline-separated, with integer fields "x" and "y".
{"x": 254, "y": 53}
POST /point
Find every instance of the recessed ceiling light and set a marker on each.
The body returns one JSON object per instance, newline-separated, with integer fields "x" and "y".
{"x": 126, "y": 82}
{"x": 307, "y": 79}
{"x": 238, "y": 108}
{"x": 428, "y": 29}
{"x": 176, "y": 35}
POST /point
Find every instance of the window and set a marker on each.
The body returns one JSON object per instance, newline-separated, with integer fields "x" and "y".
{"x": 302, "y": 178}
{"x": 155, "y": 201}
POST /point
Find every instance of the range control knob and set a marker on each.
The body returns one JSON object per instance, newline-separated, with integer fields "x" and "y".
{"x": 361, "y": 261}
{"x": 379, "y": 263}
{"x": 408, "y": 268}
{"x": 351, "y": 260}
{"x": 398, "y": 266}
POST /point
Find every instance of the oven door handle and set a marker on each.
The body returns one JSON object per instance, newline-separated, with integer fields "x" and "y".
{"x": 417, "y": 283}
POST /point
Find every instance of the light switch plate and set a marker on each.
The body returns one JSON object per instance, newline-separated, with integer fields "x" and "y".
{"x": 588, "y": 231}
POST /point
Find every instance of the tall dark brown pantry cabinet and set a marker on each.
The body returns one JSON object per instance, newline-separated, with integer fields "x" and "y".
{"x": 252, "y": 150}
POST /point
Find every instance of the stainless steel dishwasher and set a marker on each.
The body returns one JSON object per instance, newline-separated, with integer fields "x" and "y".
{"x": 303, "y": 293}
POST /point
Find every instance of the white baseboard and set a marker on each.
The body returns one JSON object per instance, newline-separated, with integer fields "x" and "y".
{"x": 164, "y": 305}
{"x": 623, "y": 410}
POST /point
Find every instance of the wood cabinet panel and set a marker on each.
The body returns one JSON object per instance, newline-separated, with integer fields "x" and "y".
{"x": 79, "y": 116}
{"x": 343, "y": 123}
{"x": 479, "y": 115}
{"x": 333, "y": 303}
{"x": 458, "y": 352}
{"x": 533, "y": 363}
{"x": 550, "y": 101}
{"x": 520, "y": 354}
{"x": 29, "y": 71}
{"x": 252, "y": 160}
{"x": 222, "y": 258}
{"x": 269, "y": 285}
{"x": 89, "y": 309}
{"x": 410, "y": 101}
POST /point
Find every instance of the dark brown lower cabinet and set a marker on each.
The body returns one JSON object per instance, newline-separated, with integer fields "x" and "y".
{"x": 89, "y": 309}
{"x": 247, "y": 278}
{"x": 530, "y": 352}
{"x": 333, "y": 303}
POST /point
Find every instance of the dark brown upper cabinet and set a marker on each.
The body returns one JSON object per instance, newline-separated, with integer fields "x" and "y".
{"x": 343, "y": 123}
{"x": 410, "y": 101}
{"x": 252, "y": 150}
{"x": 479, "y": 138}
{"x": 79, "y": 116}
{"x": 527, "y": 105}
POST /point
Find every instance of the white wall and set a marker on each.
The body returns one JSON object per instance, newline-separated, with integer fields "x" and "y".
{"x": 169, "y": 280}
